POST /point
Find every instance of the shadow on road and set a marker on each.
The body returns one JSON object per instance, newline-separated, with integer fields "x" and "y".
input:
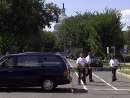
{"x": 39, "y": 90}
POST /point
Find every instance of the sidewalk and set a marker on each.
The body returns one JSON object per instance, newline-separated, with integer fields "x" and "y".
{"x": 127, "y": 63}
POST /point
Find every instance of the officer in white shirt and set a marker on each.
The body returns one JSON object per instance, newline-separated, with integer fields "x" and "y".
{"x": 114, "y": 65}
{"x": 89, "y": 67}
{"x": 81, "y": 62}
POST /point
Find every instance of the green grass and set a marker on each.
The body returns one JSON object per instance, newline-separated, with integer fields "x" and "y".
{"x": 122, "y": 68}
{"x": 126, "y": 71}
{"x": 106, "y": 64}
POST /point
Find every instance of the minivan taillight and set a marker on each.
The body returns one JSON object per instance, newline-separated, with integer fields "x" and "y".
{"x": 66, "y": 73}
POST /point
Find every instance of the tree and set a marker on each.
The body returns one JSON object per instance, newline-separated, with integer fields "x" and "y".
{"x": 110, "y": 29}
{"x": 48, "y": 41}
{"x": 93, "y": 30}
{"x": 24, "y": 20}
{"x": 127, "y": 37}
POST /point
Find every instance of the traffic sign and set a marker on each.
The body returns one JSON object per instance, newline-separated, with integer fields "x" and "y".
{"x": 124, "y": 51}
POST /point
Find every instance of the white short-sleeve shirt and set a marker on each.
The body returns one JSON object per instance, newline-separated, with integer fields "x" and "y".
{"x": 88, "y": 59}
{"x": 114, "y": 62}
{"x": 81, "y": 61}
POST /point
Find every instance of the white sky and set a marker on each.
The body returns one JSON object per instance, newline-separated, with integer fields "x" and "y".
{"x": 82, "y": 6}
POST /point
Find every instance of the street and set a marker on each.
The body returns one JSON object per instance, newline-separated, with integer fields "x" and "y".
{"x": 102, "y": 87}
{"x": 41, "y": 40}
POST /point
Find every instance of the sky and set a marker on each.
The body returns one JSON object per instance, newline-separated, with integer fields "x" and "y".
{"x": 73, "y": 6}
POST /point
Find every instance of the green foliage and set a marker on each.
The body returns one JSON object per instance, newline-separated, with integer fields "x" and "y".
{"x": 75, "y": 52}
{"x": 6, "y": 42}
{"x": 127, "y": 38}
{"x": 93, "y": 30}
{"x": 48, "y": 41}
{"x": 23, "y": 20}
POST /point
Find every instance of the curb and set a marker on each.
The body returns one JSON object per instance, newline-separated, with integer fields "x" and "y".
{"x": 123, "y": 74}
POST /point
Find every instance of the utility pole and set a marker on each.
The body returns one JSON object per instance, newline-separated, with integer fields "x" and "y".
{"x": 114, "y": 50}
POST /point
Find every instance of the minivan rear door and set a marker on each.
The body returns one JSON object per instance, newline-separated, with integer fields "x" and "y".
{"x": 52, "y": 65}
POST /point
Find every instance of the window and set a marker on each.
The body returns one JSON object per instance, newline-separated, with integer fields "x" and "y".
{"x": 51, "y": 60}
{"x": 9, "y": 62}
{"x": 28, "y": 61}
{"x": 2, "y": 60}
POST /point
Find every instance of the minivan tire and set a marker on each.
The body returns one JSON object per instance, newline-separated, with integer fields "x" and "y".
{"x": 48, "y": 85}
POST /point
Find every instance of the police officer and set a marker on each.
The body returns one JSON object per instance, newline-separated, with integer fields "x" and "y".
{"x": 81, "y": 62}
{"x": 89, "y": 67}
{"x": 114, "y": 65}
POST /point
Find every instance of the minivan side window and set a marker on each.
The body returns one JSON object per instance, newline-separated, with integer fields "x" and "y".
{"x": 51, "y": 60}
{"x": 28, "y": 61}
{"x": 8, "y": 62}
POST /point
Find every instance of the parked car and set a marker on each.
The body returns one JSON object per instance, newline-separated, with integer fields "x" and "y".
{"x": 33, "y": 69}
{"x": 96, "y": 61}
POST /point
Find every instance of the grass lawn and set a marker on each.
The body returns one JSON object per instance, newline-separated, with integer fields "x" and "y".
{"x": 122, "y": 65}
{"x": 122, "y": 68}
{"x": 126, "y": 71}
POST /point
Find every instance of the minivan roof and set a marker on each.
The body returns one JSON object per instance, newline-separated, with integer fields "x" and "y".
{"x": 32, "y": 53}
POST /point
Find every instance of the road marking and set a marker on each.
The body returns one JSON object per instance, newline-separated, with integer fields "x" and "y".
{"x": 110, "y": 89}
{"x": 84, "y": 86}
{"x": 99, "y": 79}
{"x": 105, "y": 81}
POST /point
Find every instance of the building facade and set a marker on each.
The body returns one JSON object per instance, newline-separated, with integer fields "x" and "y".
{"x": 60, "y": 20}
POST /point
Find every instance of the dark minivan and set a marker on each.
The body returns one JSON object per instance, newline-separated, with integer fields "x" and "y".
{"x": 33, "y": 69}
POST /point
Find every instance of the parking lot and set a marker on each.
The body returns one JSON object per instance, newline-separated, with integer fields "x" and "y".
{"x": 102, "y": 87}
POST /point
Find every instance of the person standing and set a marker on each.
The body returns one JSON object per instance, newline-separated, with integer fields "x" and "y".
{"x": 81, "y": 62}
{"x": 114, "y": 65}
{"x": 89, "y": 67}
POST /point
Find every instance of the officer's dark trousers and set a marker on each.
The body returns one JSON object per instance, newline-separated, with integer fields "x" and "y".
{"x": 114, "y": 73}
{"x": 82, "y": 75}
{"x": 89, "y": 72}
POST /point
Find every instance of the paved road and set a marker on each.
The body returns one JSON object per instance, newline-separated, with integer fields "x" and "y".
{"x": 101, "y": 88}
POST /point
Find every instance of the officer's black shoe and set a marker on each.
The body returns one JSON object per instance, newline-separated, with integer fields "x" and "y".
{"x": 91, "y": 81}
{"x": 84, "y": 83}
{"x": 114, "y": 80}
